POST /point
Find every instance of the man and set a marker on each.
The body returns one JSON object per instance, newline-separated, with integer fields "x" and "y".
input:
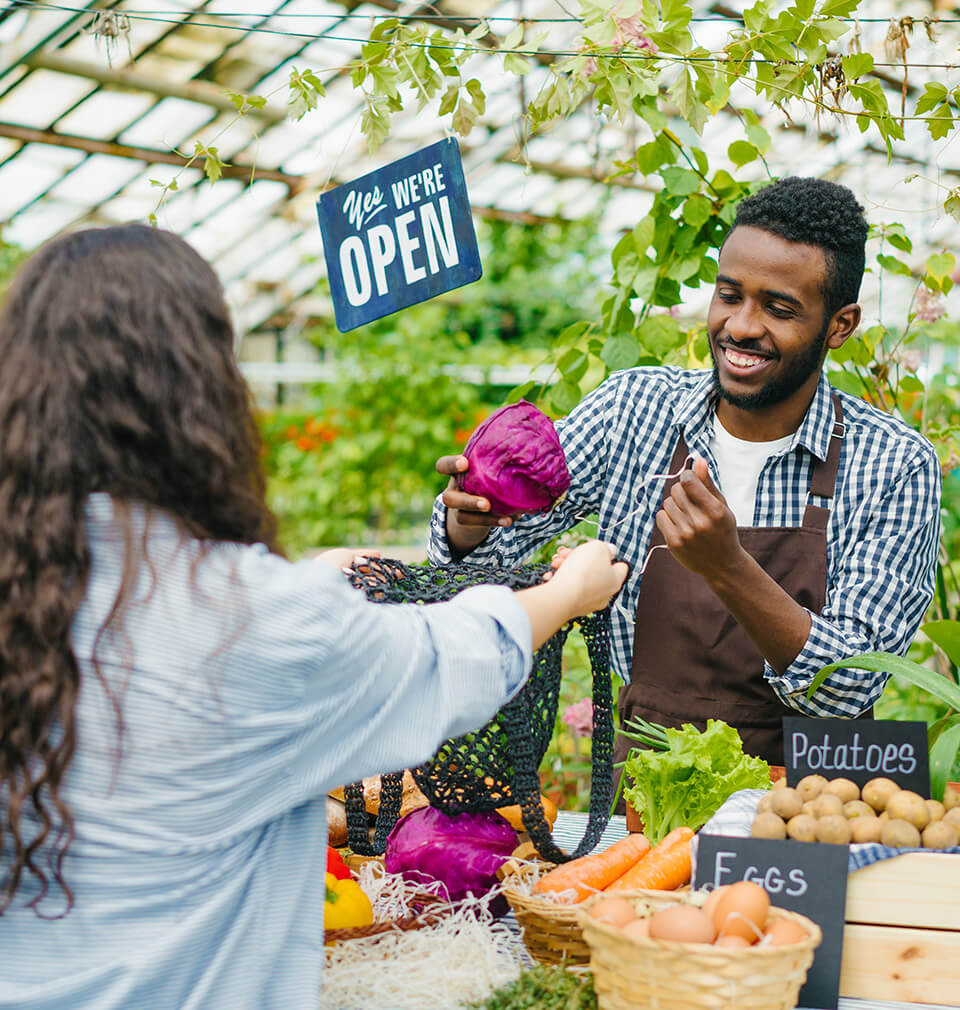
{"x": 806, "y": 529}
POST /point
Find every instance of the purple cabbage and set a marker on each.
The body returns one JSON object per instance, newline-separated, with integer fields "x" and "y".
{"x": 463, "y": 852}
{"x": 516, "y": 461}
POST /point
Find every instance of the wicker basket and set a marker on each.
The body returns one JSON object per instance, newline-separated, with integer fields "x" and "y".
{"x": 645, "y": 974}
{"x": 551, "y": 932}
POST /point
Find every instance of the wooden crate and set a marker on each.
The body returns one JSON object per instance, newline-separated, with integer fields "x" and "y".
{"x": 902, "y": 938}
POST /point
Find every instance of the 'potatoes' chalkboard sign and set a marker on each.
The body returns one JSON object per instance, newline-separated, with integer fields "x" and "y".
{"x": 859, "y": 750}
{"x": 798, "y": 876}
{"x": 399, "y": 235}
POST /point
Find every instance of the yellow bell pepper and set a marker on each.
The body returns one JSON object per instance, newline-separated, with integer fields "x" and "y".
{"x": 346, "y": 905}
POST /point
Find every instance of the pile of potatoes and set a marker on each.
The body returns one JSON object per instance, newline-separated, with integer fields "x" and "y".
{"x": 837, "y": 811}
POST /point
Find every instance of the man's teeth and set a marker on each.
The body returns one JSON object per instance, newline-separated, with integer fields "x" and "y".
{"x": 740, "y": 359}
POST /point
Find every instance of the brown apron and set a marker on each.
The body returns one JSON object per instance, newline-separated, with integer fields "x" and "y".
{"x": 691, "y": 659}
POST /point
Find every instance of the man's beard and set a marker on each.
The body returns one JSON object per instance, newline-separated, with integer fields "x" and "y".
{"x": 781, "y": 387}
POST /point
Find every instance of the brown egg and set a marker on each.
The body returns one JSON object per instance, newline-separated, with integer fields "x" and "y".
{"x": 742, "y": 910}
{"x": 710, "y": 905}
{"x": 683, "y": 923}
{"x": 782, "y": 932}
{"x": 639, "y": 929}
{"x": 731, "y": 940}
{"x": 613, "y": 911}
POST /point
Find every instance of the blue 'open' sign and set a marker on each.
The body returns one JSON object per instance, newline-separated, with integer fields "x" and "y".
{"x": 399, "y": 235}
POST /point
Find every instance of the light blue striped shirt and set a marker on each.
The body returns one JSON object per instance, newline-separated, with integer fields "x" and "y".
{"x": 882, "y": 537}
{"x": 249, "y": 688}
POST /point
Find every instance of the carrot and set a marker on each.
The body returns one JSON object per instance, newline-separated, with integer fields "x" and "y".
{"x": 665, "y": 868}
{"x": 591, "y": 874}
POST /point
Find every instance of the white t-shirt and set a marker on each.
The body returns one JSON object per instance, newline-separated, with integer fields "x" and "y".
{"x": 739, "y": 464}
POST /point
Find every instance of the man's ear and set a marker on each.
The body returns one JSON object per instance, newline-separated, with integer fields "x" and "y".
{"x": 843, "y": 324}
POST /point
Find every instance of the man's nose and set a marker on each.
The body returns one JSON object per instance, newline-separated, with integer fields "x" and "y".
{"x": 745, "y": 322}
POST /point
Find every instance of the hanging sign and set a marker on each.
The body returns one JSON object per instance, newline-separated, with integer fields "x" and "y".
{"x": 399, "y": 235}
{"x": 798, "y": 876}
{"x": 859, "y": 750}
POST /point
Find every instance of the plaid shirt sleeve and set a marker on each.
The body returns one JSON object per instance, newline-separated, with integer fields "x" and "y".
{"x": 877, "y": 593}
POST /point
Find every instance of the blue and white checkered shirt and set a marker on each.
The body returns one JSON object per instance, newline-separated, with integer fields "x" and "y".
{"x": 882, "y": 537}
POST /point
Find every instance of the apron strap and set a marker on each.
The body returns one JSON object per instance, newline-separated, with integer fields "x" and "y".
{"x": 823, "y": 473}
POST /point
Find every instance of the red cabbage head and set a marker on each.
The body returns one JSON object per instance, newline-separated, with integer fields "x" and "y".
{"x": 516, "y": 461}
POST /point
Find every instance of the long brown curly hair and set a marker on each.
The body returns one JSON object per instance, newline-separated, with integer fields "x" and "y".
{"x": 118, "y": 375}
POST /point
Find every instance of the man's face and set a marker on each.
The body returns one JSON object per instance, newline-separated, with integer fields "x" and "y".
{"x": 767, "y": 322}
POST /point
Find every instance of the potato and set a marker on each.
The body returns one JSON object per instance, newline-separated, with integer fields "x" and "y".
{"x": 763, "y": 806}
{"x": 877, "y": 791}
{"x": 951, "y": 798}
{"x": 866, "y": 829}
{"x": 781, "y": 783}
{"x": 833, "y": 829}
{"x": 900, "y": 834}
{"x": 883, "y": 817}
{"x": 953, "y": 817}
{"x": 768, "y": 825}
{"x": 940, "y": 835}
{"x": 807, "y": 808}
{"x": 802, "y": 828}
{"x": 906, "y": 805}
{"x": 786, "y": 803}
{"x": 827, "y": 805}
{"x": 857, "y": 808}
{"x": 845, "y": 789}
{"x": 810, "y": 787}
{"x": 935, "y": 810}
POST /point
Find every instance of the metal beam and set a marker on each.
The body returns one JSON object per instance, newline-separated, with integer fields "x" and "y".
{"x": 29, "y": 135}
{"x": 134, "y": 80}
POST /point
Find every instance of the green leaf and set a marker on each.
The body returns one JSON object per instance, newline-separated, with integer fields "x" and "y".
{"x": 697, "y": 210}
{"x": 856, "y": 65}
{"x": 894, "y": 266}
{"x": 675, "y": 13}
{"x": 897, "y": 236}
{"x": 933, "y": 95}
{"x": 952, "y": 205}
{"x": 839, "y": 8}
{"x": 756, "y": 134}
{"x": 643, "y": 234}
{"x": 475, "y": 88}
{"x": 680, "y": 181}
{"x": 940, "y": 123}
{"x": 885, "y": 662}
{"x": 740, "y": 152}
{"x": 652, "y": 155}
{"x": 945, "y": 635}
{"x": 684, "y": 93}
{"x": 910, "y": 384}
{"x": 564, "y": 396}
{"x": 573, "y": 365}
{"x": 464, "y": 118}
{"x": 943, "y": 755}
{"x": 449, "y": 101}
{"x": 514, "y": 64}
{"x": 622, "y": 351}
{"x": 660, "y": 334}
{"x": 940, "y": 265}
{"x": 514, "y": 38}
{"x": 521, "y": 392}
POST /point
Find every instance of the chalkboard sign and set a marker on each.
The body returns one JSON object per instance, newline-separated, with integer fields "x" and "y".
{"x": 859, "y": 750}
{"x": 802, "y": 877}
{"x": 399, "y": 235}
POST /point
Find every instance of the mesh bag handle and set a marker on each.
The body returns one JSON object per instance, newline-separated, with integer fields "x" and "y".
{"x": 497, "y": 765}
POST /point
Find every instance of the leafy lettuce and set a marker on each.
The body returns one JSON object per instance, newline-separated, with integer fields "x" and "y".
{"x": 688, "y": 782}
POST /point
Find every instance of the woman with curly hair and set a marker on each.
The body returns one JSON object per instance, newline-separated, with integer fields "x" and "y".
{"x": 176, "y": 697}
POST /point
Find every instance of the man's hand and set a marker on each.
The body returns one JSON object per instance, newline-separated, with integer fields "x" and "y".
{"x": 469, "y": 518}
{"x": 698, "y": 526}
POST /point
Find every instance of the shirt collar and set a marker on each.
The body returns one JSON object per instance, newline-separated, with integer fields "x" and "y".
{"x": 695, "y": 412}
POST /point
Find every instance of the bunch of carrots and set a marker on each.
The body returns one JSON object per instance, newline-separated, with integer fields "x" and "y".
{"x": 630, "y": 864}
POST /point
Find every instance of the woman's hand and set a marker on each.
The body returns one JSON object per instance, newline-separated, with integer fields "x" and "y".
{"x": 588, "y": 575}
{"x": 344, "y": 558}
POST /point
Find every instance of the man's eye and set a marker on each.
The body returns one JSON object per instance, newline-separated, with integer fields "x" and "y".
{"x": 727, "y": 296}
{"x": 780, "y": 312}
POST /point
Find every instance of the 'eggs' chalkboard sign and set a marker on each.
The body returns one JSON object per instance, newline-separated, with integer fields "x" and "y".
{"x": 398, "y": 235}
{"x": 798, "y": 876}
{"x": 859, "y": 750}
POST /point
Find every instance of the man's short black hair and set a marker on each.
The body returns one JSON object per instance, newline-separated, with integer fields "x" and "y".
{"x": 819, "y": 213}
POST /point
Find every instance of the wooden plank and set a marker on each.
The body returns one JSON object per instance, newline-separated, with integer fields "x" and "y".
{"x": 899, "y": 964}
{"x": 915, "y": 889}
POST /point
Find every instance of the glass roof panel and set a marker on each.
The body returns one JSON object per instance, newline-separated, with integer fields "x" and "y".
{"x": 42, "y": 97}
{"x": 106, "y": 114}
{"x": 31, "y": 172}
{"x": 96, "y": 179}
{"x": 167, "y": 124}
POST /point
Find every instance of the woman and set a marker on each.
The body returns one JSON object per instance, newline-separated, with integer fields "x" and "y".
{"x": 176, "y": 698}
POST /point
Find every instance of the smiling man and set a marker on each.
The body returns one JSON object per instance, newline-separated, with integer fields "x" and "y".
{"x": 803, "y": 526}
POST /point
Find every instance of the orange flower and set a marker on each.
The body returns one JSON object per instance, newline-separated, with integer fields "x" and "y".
{"x": 312, "y": 426}
{"x": 305, "y": 444}
{"x": 292, "y": 432}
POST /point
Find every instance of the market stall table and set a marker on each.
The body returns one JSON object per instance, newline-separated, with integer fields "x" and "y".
{"x": 568, "y": 831}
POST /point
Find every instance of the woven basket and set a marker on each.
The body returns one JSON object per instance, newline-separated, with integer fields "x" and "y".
{"x": 645, "y": 974}
{"x": 551, "y": 932}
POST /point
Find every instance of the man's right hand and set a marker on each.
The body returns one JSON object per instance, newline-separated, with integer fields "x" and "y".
{"x": 469, "y": 518}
